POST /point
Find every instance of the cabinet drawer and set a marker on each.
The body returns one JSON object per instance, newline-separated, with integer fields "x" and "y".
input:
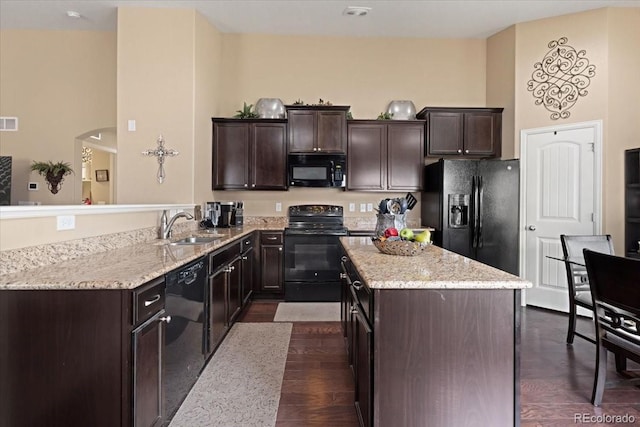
{"x": 148, "y": 300}
{"x": 223, "y": 256}
{"x": 271, "y": 238}
{"x": 248, "y": 242}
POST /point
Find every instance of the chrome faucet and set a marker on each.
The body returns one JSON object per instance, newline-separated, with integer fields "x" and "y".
{"x": 165, "y": 226}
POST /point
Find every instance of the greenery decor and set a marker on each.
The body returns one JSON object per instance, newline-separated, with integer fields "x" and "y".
{"x": 385, "y": 116}
{"x": 53, "y": 173}
{"x": 246, "y": 112}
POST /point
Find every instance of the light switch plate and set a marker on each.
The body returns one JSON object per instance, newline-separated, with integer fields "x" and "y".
{"x": 278, "y": 207}
{"x": 369, "y": 207}
{"x": 352, "y": 207}
{"x": 363, "y": 207}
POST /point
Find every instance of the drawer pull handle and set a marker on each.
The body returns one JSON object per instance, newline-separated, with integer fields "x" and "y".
{"x": 272, "y": 238}
{"x": 148, "y": 302}
{"x": 357, "y": 285}
{"x": 166, "y": 319}
{"x": 343, "y": 275}
{"x": 354, "y": 310}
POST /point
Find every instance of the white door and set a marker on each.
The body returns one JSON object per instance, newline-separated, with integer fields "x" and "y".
{"x": 561, "y": 195}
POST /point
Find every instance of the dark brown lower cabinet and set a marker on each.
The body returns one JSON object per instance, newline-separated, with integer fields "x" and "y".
{"x": 432, "y": 357}
{"x": 363, "y": 361}
{"x": 148, "y": 344}
{"x": 81, "y": 357}
{"x": 271, "y": 257}
{"x": 225, "y": 299}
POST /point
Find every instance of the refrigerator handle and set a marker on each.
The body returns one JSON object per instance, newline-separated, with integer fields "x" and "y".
{"x": 480, "y": 202}
{"x": 474, "y": 202}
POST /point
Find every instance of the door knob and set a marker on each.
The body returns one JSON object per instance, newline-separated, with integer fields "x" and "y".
{"x": 532, "y": 227}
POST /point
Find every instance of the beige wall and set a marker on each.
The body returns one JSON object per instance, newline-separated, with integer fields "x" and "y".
{"x": 21, "y": 233}
{"x": 624, "y": 112}
{"x": 155, "y": 73}
{"x": 501, "y": 66}
{"x": 366, "y": 73}
{"x": 60, "y": 84}
{"x": 610, "y": 38}
{"x": 208, "y": 80}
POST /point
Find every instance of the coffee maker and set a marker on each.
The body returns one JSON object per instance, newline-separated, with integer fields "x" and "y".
{"x": 223, "y": 214}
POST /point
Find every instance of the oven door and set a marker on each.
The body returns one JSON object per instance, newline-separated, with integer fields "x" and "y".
{"x": 311, "y": 258}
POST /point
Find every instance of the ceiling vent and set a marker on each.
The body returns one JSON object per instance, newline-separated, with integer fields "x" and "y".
{"x": 356, "y": 11}
{"x": 8, "y": 124}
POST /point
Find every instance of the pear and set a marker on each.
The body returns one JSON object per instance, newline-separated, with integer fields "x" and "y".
{"x": 423, "y": 237}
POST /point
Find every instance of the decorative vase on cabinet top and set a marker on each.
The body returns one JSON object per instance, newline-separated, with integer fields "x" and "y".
{"x": 402, "y": 110}
{"x": 270, "y": 108}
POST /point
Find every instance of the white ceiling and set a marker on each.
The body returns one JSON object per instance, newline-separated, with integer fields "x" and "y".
{"x": 388, "y": 18}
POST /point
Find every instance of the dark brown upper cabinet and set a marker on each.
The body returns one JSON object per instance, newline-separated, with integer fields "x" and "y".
{"x": 385, "y": 155}
{"x": 317, "y": 128}
{"x": 469, "y": 132}
{"x": 249, "y": 154}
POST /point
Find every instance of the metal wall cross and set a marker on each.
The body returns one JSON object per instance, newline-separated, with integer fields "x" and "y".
{"x": 161, "y": 152}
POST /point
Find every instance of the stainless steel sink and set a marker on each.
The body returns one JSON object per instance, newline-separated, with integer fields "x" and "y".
{"x": 194, "y": 240}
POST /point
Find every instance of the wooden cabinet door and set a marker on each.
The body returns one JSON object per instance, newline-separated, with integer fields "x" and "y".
{"x": 363, "y": 360}
{"x": 366, "y": 167}
{"x": 234, "y": 297}
{"x": 271, "y": 268}
{"x": 405, "y": 156}
{"x": 444, "y": 133}
{"x": 148, "y": 345}
{"x": 269, "y": 156}
{"x": 331, "y": 131}
{"x": 248, "y": 274}
{"x": 230, "y": 156}
{"x": 302, "y": 130}
{"x": 482, "y": 134}
{"x": 217, "y": 309}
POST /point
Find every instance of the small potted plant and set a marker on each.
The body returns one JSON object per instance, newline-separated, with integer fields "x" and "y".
{"x": 246, "y": 112}
{"x": 53, "y": 173}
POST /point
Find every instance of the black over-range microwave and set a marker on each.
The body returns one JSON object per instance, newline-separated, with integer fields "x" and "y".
{"x": 317, "y": 170}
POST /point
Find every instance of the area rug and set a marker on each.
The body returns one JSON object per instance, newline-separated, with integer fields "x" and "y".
{"x": 241, "y": 384}
{"x": 308, "y": 312}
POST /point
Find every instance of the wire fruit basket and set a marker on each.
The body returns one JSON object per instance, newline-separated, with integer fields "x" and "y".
{"x": 399, "y": 247}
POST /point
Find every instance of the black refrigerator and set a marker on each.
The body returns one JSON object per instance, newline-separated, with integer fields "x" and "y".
{"x": 474, "y": 207}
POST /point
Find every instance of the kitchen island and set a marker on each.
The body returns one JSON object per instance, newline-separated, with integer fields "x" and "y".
{"x": 433, "y": 339}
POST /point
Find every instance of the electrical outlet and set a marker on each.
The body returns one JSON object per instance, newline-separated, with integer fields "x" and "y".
{"x": 278, "y": 207}
{"x": 131, "y": 125}
{"x": 363, "y": 207}
{"x": 369, "y": 207}
{"x": 66, "y": 222}
{"x": 352, "y": 207}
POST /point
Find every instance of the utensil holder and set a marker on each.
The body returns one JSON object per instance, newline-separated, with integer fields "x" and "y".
{"x": 384, "y": 221}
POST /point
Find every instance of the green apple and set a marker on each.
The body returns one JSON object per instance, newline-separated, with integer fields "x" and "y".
{"x": 406, "y": 234}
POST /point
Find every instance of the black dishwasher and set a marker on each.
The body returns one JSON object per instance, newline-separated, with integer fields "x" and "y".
{"x": 185, "y": 338}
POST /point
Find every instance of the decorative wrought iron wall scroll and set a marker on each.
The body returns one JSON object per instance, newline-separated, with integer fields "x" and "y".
{"x": 561, "y": 78}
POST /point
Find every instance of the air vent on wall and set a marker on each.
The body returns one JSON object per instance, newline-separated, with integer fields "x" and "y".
{"x": 8, "y": 123}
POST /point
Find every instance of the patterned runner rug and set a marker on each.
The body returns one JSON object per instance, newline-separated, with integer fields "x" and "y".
{"x": 308, "y": 312}
{"x": 241, "y": 384}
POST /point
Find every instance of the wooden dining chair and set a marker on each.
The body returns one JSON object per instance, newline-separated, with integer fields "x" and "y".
{"x": 577, "y": 280}
{"x": 615, "y": 288}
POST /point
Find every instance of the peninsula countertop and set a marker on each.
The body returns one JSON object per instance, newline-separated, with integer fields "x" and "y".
{"x": 433, "y": 268}
{"x": 124, "y": 268}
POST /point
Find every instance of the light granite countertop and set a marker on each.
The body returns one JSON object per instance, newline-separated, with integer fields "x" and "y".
{"x": 122, "y": 268}
{"x": 433, "y": 268}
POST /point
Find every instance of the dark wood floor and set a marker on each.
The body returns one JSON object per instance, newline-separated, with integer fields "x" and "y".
{"x": 556, "y": 378}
